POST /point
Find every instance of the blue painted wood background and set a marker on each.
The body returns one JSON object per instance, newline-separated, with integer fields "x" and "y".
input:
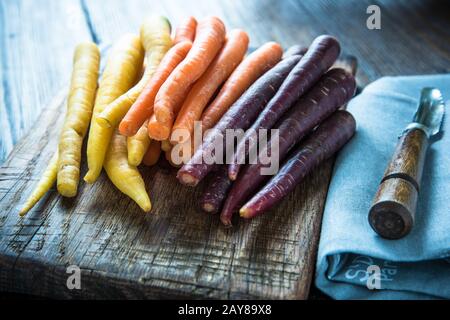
{"x": 37, "y": 38}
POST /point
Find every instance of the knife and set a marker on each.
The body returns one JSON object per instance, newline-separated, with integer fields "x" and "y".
{"x": 393, "y": 209}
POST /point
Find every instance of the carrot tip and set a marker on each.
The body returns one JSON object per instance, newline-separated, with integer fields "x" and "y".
{"x": 125, "y": 130}
{"x": 245, "y": 212}
{"x": 144, "y": 203}
{"x": 67, "y": 194}
{"x": 187, "y": 179}
{"x": 208, "y": 207}
{"x": 226, "y": 222}
{"x": 89, "y": 178}
{"x": 160, "y": 133}
{"x": 134, "y": 161}
{"x": 68, "y": 189}
{"x": 233, "y": 171}
{"x": 162, "y": 116}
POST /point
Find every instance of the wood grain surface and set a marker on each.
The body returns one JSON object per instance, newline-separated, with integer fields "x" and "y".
{"x": 177, "y": 251}
{"x": 409, "y": 157}
{"x": 36, "y": 49}
{"x": 37, "y": 39}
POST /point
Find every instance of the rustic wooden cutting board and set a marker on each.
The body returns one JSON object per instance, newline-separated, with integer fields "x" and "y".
{"x": 176, "y": 251}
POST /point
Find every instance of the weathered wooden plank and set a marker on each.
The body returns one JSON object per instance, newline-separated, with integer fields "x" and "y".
{"x": 241, "y": 273}
{"x": 178, "y": 253}
{"x": 181, "y": 252}
{"x": 36, "y": 44}
{"x": 175, "y": 252}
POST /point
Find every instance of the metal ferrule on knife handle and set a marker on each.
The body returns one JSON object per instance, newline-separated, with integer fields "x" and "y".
{"x": 393, "y": 210}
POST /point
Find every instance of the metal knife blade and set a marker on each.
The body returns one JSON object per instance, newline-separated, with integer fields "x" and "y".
{"x": 430, "y": 112}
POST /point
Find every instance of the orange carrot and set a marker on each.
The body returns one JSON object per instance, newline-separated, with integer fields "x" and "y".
{"x": 210, "y": 35}
{"x": 186, "y": 30}
{"x": 255, "y": 65}
{"x": 151, "y": 157}
{"x": 218, "y": 71}
{"x": 158, "y": 130}
{"x": 142, "y": 108}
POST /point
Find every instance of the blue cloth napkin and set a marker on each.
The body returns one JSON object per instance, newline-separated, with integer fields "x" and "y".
{"x": 417, "y": 266}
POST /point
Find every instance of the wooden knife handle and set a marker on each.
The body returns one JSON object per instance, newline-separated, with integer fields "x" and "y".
{"x": 393, "y": 210}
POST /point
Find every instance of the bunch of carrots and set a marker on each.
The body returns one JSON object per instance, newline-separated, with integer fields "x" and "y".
{"x": 156, "y": 84}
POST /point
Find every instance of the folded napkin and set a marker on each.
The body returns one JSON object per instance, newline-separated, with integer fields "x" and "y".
{"x": 417, "y": 266}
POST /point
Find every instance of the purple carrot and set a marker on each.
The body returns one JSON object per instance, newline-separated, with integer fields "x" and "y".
{"x": 296, "y": 49}
{"x": 320, "y": 56}
{"x": 333, "y": 90}
{"x": 325, "y": 141}
{"x": 216, "y": 190}
{"x": 240, "y": 115}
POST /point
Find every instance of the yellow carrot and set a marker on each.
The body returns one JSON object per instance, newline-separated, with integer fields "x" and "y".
{"x": 123, "y": 66}
{"x": 45, "y": 183}
{"x": 79, "y": 110}
{"x": 123, "y": 175}
{"x": 137, "y": 145}
{"x": 166, "y": 145}
{"x": 155, "y": 37}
